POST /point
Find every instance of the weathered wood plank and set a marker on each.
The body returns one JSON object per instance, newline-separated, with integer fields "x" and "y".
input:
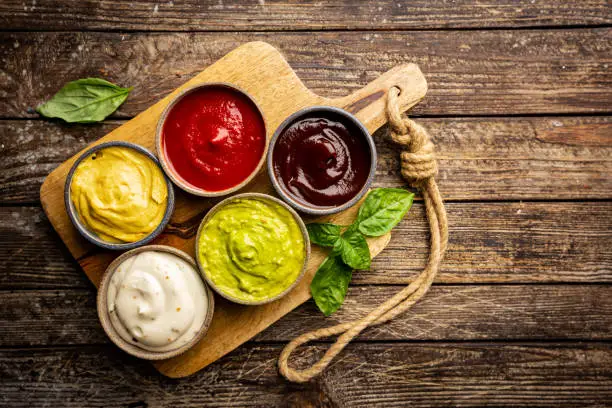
{"x": 373, "y": 375}
{"x": 32, "y": 254}
{"x": 480, "y": 158}
{"x": 489, "y": 243}
{"x": 506, "y": 242}
{"x": 30, "y": 150}
{"x": 471, "y": 312}
{"x": 465, "y": 312}
{"x": 469, "y": 72}
{"x": 192, "y": 15}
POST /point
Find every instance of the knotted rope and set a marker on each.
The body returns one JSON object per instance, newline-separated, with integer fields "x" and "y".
{"x": 418, "y": 168}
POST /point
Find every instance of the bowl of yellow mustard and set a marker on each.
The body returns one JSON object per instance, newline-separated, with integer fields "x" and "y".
{"x": 252, "y": 248}
{"x": 117, "y": 196}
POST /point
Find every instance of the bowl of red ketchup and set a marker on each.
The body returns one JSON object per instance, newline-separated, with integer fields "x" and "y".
{"x": 211, "y": 139}
{"x": 321, "y": 160}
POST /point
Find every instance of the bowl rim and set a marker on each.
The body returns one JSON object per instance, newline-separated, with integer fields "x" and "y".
{"x": 264, "y": 197}
{"x": 288, "y": 197}
{"x": 92, "y": 236}
{"x": 107, "y": 324}
{"x": 165, "y": 161}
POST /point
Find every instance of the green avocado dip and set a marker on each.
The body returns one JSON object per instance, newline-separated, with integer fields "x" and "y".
{"x": 252, "y": 249}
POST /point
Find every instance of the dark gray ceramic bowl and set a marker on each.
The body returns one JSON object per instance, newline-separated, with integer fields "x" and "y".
{"x": 91, "y": 236}
{"x": 290, "y": 198}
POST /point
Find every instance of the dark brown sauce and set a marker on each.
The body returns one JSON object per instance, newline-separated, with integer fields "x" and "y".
{"x": 322, "y": 159}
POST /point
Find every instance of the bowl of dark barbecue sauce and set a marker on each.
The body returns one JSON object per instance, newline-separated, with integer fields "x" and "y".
{"x": 321, "y": 160}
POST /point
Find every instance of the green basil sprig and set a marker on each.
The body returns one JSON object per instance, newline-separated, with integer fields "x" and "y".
{"x": 84, "y": 101}
{"x": 382, "y": 210}
{"x": 324, "y": 235}
{"x": 330, "y": 284}
{"x": 353, "y": 249}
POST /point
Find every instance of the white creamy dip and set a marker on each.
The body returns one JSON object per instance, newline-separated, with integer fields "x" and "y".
{"x": 157, "y": 301}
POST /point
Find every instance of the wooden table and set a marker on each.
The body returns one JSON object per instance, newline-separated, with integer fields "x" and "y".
{"x": 520, "y": 107}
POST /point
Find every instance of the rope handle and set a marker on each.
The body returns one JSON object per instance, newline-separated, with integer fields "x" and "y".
{"x": 418, "y": 168}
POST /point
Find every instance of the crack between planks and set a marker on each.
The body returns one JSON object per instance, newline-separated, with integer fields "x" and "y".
{"x": 545, "y": 115}
{"x": 438, "y": 342}
{"x": 264, "y": 30}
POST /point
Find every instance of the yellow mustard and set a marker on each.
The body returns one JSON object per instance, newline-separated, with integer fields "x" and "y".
{"x": 119, "y": 194}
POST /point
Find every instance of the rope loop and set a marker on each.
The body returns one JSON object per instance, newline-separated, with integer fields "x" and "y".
{"x": 419, "y": 158}
{"x": 418, "y": 168}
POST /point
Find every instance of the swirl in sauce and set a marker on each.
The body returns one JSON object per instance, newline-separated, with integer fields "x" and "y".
{"x": 119, "y": 194}
{"x": 252, "y": 249}
{"x": 322, "y": 161}
{"x": 214, "y": 138}
{"x": 157, "y": 301}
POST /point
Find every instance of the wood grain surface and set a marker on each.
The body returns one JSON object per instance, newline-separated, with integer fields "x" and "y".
{"x": 368, "y": 374}
{"x": 519, "y": 106}
{"x": 215, "y": 15}
{"x": 470, "y": 72}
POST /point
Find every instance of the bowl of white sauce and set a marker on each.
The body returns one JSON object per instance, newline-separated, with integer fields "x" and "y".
{"x": 153, "y": 302}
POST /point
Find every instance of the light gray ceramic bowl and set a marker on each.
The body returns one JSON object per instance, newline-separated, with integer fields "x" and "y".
{"x": 259, "y": 196}
{"x": 92, "y": 236}
{"x": 112, "y": 333}
{"x": 295, "y": 202}
{"x": 166, "y": 163}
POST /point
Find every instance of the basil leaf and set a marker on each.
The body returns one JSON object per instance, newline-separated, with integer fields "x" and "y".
{"x": 324, "y": 235}
{"x": 382, "y": 210}
{"x": 330, "y": 284}
{"x": 85, "y": 101}
{"x": 353, "y": 248}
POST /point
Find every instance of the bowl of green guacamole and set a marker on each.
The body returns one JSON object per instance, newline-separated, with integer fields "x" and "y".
{"x": 252, "y": 248}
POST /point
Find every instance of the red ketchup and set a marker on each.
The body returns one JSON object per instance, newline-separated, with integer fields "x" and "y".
{"x": 322, "y": 159}
{"x": 214, "y": 138}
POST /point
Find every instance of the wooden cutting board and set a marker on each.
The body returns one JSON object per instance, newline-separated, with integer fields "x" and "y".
{"x": 260, "y": 70}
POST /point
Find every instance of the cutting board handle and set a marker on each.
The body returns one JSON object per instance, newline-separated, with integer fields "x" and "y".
{"x": 368, "y": 103}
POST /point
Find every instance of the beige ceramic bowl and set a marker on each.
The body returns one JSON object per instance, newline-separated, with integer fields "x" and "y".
{"x": 165, "y": 162}
{"x": 112, "y": 332}
{"x": 261, "y": 197}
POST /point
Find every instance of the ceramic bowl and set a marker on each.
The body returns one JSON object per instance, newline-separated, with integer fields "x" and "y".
{"x": 166, "y": 162}
{"x": 110, "y": 330}
{"x": 297, "y": 218}
{"x": 92, "y": 236}
{"x": 290, "y": 198}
